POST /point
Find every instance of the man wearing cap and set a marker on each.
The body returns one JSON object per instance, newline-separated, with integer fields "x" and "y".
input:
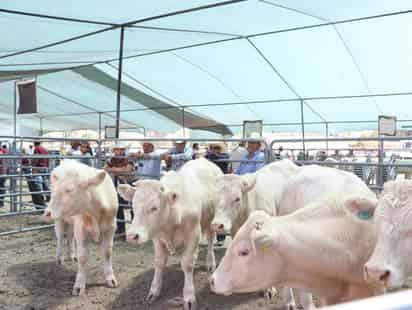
{"x": 253, "y": 154}
{"x": 121, "y": 170}
{"x": 148, "y": 162}
{"x": 177, "y": 156}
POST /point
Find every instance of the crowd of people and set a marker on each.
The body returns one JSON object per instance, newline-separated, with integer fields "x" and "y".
{"x": 128, "y": 167}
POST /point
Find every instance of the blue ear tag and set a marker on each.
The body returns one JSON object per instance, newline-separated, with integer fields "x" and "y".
{"x": 364, "y": 215}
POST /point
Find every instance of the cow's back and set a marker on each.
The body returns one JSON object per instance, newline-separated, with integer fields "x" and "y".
{"x": 313, "y": 182}
{"x": 271, "y": 181}
{"x": 198, "y": 179}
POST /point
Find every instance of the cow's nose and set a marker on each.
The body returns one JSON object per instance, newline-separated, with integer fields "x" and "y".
{"x": 132, "y": 237}
{"x": 377, "y": 274}
{"x": 220, "y": 226}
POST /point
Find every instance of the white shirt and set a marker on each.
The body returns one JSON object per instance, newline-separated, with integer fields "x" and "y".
{"x": 237, "y": 154}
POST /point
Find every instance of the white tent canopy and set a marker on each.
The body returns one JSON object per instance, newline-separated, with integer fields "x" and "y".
{"x": 209, "y": 68}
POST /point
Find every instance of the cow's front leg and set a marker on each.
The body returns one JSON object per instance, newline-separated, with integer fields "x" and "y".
{"x": 210, "y": 259}
{"x": 59, "y": 229}
{"x": 160, "y": 262}
{"x": 306, "y": 300}
{"x": 107, "y": 249}
{"x": 71, "y": 244}
{"x": 188, "y": 262}
{"x": 82, "y": 255}
{"x": 288, "y": 298}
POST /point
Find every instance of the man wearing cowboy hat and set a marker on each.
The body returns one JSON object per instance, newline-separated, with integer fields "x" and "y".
{"x": 177, "y": 156}
{"x": 253, "y": 155}
{"x": 148, "y": 162}
{"x": 217, "y": 155}
{"x": 121, "y": 170}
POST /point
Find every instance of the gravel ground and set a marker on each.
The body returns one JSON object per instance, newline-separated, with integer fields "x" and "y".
{"x": 31, "y": 280}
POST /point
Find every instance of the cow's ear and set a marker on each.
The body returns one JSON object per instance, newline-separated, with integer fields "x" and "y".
{"x": 97, "y": 179}
{"x": 361, "y": 208}
{"x": 126, "y": 191}
{"x": 248, "y": 182}
{"x": 264, "y": 243}
{"x": 169, "y": 195}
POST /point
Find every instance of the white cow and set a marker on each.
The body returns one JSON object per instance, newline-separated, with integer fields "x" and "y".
{"x": 310, "y": 184}
{"x": 320, "y": 248}
{"x": 390, "y": 262}
{"x": 173, "y": 212}
{"x": 86, "y": 199}
{"x": 240, "y": 195}
{"x": 279, "y": 189}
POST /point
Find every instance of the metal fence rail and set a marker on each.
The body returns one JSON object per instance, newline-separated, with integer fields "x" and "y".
{"x": 21, "y": 175}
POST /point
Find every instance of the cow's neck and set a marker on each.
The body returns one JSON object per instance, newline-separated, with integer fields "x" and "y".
{"x": 309, "y": 251}
{"x": 245, "y": 208}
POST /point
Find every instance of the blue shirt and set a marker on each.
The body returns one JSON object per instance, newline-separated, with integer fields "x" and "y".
{"x": 251, "y": 167}
{"x": 149, "y": 166}
{"x": 179, "y": 159}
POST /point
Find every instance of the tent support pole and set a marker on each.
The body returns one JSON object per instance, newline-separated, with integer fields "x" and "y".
{"x": 119, "y": 83}
{"x": 327, "y": 136}
{"x": 302, "y": 122}
{"x": 183, "y": 120}
{"x": 41, "y": 126}
{"x": 100, "y": 125}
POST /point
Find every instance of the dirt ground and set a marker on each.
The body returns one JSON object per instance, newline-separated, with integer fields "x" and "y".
{"x": 31, "y": 280}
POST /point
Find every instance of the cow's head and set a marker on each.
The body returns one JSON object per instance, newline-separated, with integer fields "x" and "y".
{"x": 390, "y": 262}
{"x": 253, "y": 260}
{"x": 153, "y": 205}
{"x": 232, "y": 193}
{"x": 71, "y": 185}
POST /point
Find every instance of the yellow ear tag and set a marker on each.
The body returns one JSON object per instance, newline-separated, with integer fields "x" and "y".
{"x": 265, "y": 248}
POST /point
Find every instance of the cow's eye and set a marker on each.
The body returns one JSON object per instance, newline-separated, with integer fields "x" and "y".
{"x": 244, "y": 253}
{"x": 68, "y": 190}
{"x": 237, "y": 199}
{"x": 153, "y": 209}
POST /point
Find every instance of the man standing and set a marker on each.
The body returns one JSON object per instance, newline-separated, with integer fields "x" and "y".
{"x": 121, "y": 170}
{"x": 41, "y": 166}
{"x": 177, "y": 156}
{"x": 237, "y": 153}
{"x": 148, "y": 162}
{"x": 217, "y": 155}
{"x": 254, "y": 154}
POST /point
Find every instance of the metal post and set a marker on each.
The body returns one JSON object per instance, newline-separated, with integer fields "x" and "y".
{"x": 15, "y": 111}
{"x": 302, "y": 122}
{"x": 100, "y": 125}
{"x": 41, "y": 126}
{"x": 119, "y": 82}
{"x": 13, "y": 206}
{"x": 183, "y": 120}
{"x": 380, "y": 170}
{"x": 327, "y": 137}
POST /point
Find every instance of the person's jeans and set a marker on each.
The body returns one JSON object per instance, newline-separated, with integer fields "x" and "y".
{"x": 121, "y": 225}
{"x": 2, "y": 190}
